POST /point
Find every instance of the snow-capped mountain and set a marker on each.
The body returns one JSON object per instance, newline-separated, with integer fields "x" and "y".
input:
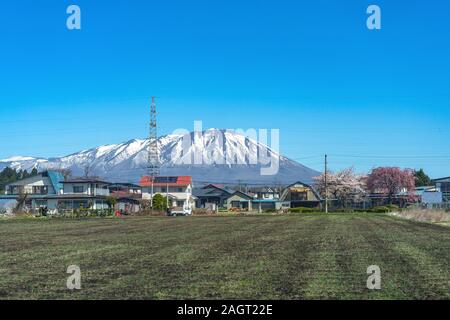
{"x": 216, "y": 156}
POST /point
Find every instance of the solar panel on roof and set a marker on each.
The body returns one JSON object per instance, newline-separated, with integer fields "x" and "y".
{"x": 165, "y": 179}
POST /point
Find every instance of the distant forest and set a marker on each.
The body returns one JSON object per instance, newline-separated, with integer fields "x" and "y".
{"x": 9, "y": 175}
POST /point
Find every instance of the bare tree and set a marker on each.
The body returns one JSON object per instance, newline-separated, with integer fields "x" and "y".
{"x": 87, "y": 170}
{"x": 21, "y": 200}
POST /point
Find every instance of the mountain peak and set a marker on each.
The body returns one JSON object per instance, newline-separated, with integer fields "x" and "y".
{"x": 127, "y": 161}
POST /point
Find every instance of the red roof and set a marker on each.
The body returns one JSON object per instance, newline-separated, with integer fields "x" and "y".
{"x": 146, "y": 181}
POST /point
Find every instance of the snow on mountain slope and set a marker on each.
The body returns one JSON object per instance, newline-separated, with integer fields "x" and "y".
{"x": 214, "y": 156}
{"x": 17, "y": 158}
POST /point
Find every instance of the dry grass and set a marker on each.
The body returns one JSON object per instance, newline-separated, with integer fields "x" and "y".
{"x": 425, "y": 215}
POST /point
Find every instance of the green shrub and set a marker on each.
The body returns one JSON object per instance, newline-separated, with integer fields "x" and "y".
{"x": 302, "y": 210}
{"x": 392, "y": 207}
{"x": 380, "y": 209}
{"x": 343, "y": 210}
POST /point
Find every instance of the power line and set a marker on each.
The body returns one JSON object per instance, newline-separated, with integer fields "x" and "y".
{"x": 392, "y": 157}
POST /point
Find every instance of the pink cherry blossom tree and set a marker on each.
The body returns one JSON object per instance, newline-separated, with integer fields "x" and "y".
{"x": 390, "y": 181}
{"x": 344, "y": 186}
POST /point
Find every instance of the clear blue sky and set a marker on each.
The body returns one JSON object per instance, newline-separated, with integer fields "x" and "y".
{"x": 310, "y": 68}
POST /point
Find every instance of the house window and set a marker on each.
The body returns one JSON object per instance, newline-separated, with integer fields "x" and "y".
{"x": 445, "y": 187}
{"x": 299, "y": 196}
{"x": 235, "y": 204}
{"x": 63, "y": 205}
{"x": 40, "y": 203}
{"x": 81, "y": 204}
{"x": 40, "y": 189}
{"x": 78, "y": 189}
{"x": 15, "y": 189}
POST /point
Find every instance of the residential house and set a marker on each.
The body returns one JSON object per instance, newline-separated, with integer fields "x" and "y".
{"x": 127, "y": 188}
{"x": 429, "y": 195}
{"x": 268, "y": 198}
{"x": 265, "y": 193}
{"x": 34, "y": 192}
{"x": 270, "y": 204}
{"x": 300, "y": 194}
{"x": 50, "y": 190}
{"x": 85, "y": 193}
{"x": 239, "y": 200}
{"x": 215, "y": 196}
{"x": 178, "y": 189}
{"x": 128, "y": 197}
{"x": 212, "y": 196}
{"x": 443, "y": 184}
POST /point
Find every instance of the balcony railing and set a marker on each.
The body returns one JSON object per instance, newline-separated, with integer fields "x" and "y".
{"x": 17, "y": 192}
{"x": 89, "y": 192}
{"x": 101, "y": 192}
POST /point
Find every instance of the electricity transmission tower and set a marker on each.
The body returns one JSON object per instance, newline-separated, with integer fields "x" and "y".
{"x": 153, "y": 164}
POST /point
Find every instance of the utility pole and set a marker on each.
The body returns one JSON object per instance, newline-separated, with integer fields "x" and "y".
{"x": 151, "y": 196}
{"x": 167, "y": 193}
{"x": 326, "y": 184}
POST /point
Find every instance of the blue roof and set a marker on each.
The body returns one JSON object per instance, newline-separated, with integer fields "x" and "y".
{"x": 56, "y": 178}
